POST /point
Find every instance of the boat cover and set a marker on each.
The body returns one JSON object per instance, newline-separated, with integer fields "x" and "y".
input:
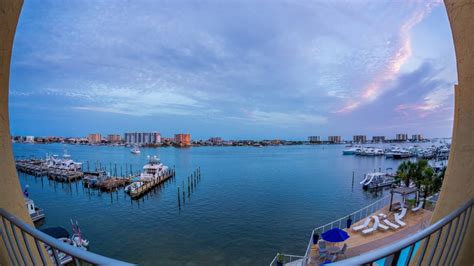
{"x": 56, "y": 232}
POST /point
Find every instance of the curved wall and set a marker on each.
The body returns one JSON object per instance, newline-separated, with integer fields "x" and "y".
{"x": 458, "y": 186}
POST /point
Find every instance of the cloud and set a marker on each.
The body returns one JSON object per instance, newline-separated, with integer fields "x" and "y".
{"x": 379, "y": 84}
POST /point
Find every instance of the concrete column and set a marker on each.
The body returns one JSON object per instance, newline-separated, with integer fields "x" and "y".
{"x": 458, "y": 185}
{"x": 11, "y": 195}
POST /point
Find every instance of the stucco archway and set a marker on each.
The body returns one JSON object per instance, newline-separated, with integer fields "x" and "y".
{"x": 458, "y": 185}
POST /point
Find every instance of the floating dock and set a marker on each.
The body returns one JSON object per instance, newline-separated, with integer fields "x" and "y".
{"x": 149, "y": 185}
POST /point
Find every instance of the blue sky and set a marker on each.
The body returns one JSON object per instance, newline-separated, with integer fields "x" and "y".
{"x": 235, "y": 69}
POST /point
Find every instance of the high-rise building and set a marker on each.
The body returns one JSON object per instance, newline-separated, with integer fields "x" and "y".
{"x": 401, "y": 137}
{"x": 314, "y": 139}
{"x": 335, "y": 139}
{"x": 359, "y": 139}
{"x": 378, "y": 139}
{"x": 114, "y": 138}
{"x": 182, "y": 139}
{"x": 417, "y": 137}
{"x": 94, "y": 138}
{"x": 142, "y": 138}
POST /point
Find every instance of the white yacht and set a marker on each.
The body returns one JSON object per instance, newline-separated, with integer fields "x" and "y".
{"x": 153, "y": 169}
{"x": 352, "y": 150}
{"x": 135, "y": 150}
{"x": 65, "y": 163}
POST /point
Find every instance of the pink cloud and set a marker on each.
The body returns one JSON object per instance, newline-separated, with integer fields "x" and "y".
{"x": 380, "y": 82}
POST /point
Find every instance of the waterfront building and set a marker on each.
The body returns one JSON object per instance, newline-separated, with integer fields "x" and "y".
{"x": 417, "y": 137}
{"x": 94, "y": 138}
{"x": 182, "y": 139}
{"x": 378, "y": 139}
{"x": 114, "y": 138}
{"x": 359, "y": 139}
{"x": 314, "y": 139}
{"x": 142, "y": 138}
{"x": 30, "y": 139}
{"x": 215, "y": 140}
{"x": 401, "y": 137}
{"x": 335, "y": 139}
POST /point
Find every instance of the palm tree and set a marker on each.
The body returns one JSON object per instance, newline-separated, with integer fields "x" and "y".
{"x": 404, "y": 172}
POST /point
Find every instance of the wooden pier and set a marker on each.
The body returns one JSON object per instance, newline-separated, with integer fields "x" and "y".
{"x": 149, "y": 185}
{"x": 113, "y": 183}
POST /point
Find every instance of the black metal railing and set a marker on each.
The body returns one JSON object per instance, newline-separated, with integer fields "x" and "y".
{"x": 25, "y": 245}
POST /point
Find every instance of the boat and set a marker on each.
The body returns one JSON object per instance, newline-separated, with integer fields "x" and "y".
{"x": 135, "y": 150}
{"x": 65, "y": 163}
{"x": 134, "y": 186}
{"x": 352, "y": 150}
{"x": 35, "y": 212}
{"x": 153, "y": 169}
{"x": 63, "y": 235}
{"x": 377, "y": 180}
{"x": 92, "y": 179}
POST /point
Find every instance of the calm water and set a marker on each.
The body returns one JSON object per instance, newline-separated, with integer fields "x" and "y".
{"x": 250, "y": 203}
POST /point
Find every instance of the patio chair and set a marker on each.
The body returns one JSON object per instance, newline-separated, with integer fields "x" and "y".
{"x": 343, "y": 250}
{"x": 417, "y": 208}
{"x": 392, "y": 225}
{"x": 362, "y": 226}
{"x": 374, "y": 227}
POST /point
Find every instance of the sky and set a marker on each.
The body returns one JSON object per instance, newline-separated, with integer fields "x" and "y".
{"x": 234, "y": 69}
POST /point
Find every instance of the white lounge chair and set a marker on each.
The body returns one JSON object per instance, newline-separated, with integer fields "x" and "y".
{"x": 392, "y": 225}
{"x": 384, "y": 227}
{"x": 417, "y": 208}
{"x": 362, "y": 226}
{"x": 382, "y": 215}
{"x": 374, "y": 227}
{"x": 400, "y": 222}
{"x": 402, "y": 214}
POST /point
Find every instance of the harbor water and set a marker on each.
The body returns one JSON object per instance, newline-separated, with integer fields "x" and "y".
{"x": 249, "y": 204}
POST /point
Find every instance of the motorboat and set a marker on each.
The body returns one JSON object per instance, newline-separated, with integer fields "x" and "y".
{"x": 352, "y": 150}
{"x": 134, "y": 186}
{"x": 63, "y": 235}
{"x": 153, "y": 169}
{"x": 34, "y": 211}
{"x": 135, "y": 150}
{"x": 377, "y": 180}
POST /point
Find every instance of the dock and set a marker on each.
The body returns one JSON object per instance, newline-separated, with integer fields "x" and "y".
{"x": 113, "y": 183}
{"x": 64, "y": 175}
{"x": 149, "y": 185}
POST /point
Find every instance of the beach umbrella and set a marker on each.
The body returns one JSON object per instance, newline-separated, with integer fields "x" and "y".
{"x": 335, "y": 235}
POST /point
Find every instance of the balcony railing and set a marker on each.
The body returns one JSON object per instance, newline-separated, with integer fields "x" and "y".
{"x": 25, "y": 245}
{"x": 340, "y": 223}
{"x": 438, "y": 244}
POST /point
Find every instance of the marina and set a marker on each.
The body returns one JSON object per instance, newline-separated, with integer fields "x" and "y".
{"x": 239, "y": 206}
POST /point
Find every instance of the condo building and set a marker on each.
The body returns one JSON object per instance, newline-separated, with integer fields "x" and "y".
{"x": 94, "y": 138}
{"x": 314, "y": 139}
{"x": 114, "y": 138}
{"x": 378, "y": 139}
{"x": 401, "y": 137}
{"x": 182, "y": 139}
{"x": 142, "y": 138}
{"x": 335, "y": 139}
{"x": 417, "y": 137}
{"x": 359, "y": 139}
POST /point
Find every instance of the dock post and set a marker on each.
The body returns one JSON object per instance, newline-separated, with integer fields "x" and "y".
{"x": 179, "y": 200}
{"x": 353, "y": 178}
{"x": 184, "y": 194}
